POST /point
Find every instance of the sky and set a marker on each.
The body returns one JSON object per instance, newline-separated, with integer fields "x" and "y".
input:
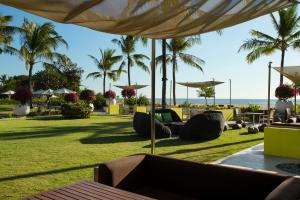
{"x": 223, "y": 62}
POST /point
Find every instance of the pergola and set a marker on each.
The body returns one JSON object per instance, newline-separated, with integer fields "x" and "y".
{"x": 154, "y": 19}
{"x": 204, "y": 84}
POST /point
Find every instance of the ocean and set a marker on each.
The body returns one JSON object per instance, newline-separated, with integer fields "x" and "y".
{"x": 262, "y": 102}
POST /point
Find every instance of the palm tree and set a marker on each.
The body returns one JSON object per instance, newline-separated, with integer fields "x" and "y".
{"x": 38, "y": 43}
{"x": 6, "y": 35}
{"x": 164, "y": 73}
{"x": 288, "y": 35}
{"x": 177, "y": 48}
{"x": 128, "y": 47}
{"x": 105, "y": 65}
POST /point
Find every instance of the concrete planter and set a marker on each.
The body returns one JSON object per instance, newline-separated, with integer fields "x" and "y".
{"x": 21, "y": 110}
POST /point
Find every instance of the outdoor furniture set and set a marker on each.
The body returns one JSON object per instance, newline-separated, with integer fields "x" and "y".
{"x": 205, "y": 126}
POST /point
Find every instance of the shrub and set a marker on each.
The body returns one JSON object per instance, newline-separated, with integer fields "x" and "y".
{"x": 130, "y": 101}
{"x": 72, "y": 97}
{"x": 109, "y": 94}
{"x": 285, "y": 91}
{"x": 185, "y": 105}
{"x": 23, "y": 95}
{"x": 87, "y": 95}
{"x": 99, "y": 102}
{"x": 143, "y": 100}
{"x": 79, "y": 110}
{"x": 55, "y": 102}
{"x": 128, "y": 93}
{"x": 250, "y": 108}
{"x": 8, "y": 101}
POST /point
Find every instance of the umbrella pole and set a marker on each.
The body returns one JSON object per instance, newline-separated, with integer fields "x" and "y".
{"x": 187, "y": 94}
{"x": 295, "y": 99}
{"x": 153, "y": 98}
{"x": 269, "y": 88}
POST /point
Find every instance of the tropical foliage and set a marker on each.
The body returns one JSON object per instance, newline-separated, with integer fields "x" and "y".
{"x": 287, "y": 35}
{"x": 177, "y": 48}
{"x": 206, "y": 92}
{"x": 38, "y": 43}
{"x": 6, "y": 35}
{"x": 109, "y": 94}
{"x": 126, "y": 93}
{"x": 80, "y": 110}
{"x": 71, "y": 97}
{"x": 12, "y": 82}
{"x": 105, "y": 65}
{"x": 87, "y": 95}
{"x": 128, "y": 44}
{"x": 23, "y": 95}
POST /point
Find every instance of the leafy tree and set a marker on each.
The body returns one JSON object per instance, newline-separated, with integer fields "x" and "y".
{"x": 48, "y": 78}
{"x": 6, "y": 35}
{"x": 127, "y": 45}
{"x": 38, "y": 43}
{"x": 105, "y": 66}
{"x": 177, "y": 48}
{"x": 287, "y": 35}
{"x": 64, "y": 72}
{"x": 12, "y": 82}
{"x": 206, "y": 92}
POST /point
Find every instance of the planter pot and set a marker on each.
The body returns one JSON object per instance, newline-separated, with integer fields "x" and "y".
{"x": 22, "y": 110}
{"x": 111, "y": 101}
{"x": 281, "y": 105}
{"x": 92, "y": 107}
{"x": 105, "y": 109}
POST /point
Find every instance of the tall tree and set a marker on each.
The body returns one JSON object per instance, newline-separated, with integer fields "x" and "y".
{"x": 105, "y": 65}
{"x": 164, "y": 73}
{"x": 177, "y": 48}
{"x": 6, "y": 35}
{"x": 128, "y": 44}
{"x": 38, "y": 43}
{"x": 206, "y": 92}
{"x": 288, "y": 35}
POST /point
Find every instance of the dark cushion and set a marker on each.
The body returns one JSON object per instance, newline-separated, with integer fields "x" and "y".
{"x": 167, "y": 117}
{"x": 203, "y": 126}
{"x": 142, "y": 126}
{"x": 175, "y": 117}
{"x": 287, "y": 190}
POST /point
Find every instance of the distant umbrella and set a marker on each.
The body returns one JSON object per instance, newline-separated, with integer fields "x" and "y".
{"x": 135, "y": 87}
{"x": 48, "y": 92}
{"x": 64, "y": 91}
{"x": 38, "y": 92}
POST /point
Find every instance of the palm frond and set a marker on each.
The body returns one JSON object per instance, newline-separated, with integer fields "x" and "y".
{"x": 193, "y": 61}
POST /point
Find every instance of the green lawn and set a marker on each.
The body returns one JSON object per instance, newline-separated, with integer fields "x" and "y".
{"x": 39, "y": 154}
{"x": 6, "y": 109}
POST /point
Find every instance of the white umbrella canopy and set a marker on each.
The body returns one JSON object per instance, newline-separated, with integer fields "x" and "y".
{"x": 290, "y": 72}
{"x": 151, "y": 18}
{"x": 38, "y": 92}
{"x": 48, "y": 92}
{"x": 9, "y": 92}
{"x": 63, "y": 91}
{"x": 200, "y": 84}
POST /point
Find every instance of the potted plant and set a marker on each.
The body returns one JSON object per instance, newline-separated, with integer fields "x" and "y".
{"x": 23, "y": 95}
{"x": 283, "y": 93}
{"x": 110, "y": 97}
{"x": 127, "y": 93}
{"x": 88, "y": 96}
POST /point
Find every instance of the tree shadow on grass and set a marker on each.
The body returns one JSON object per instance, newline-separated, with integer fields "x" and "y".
{"x": 106, "y": 132}
{"x": 54, "y": 171}
{"x": 183, "y": 151}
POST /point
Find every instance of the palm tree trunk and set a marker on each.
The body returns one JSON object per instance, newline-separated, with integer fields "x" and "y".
{"x": 30, "y": 83}
{"x": 281, "y": 66}
{"x": 128, "y": 70}
{"x": 164, "y": 74}
{"x": 174, "y": 79}
{"x": 205, "y": 100}
{"x": 104, "y": 80}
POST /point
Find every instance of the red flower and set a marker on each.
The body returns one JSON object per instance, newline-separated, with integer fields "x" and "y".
{"x": 22, "y": 94}
{"x": 128, "y": 92}
{"x": 285, "y": 91}
{"x": 109, "y": 94}
{"x": 87, "y": 95}
{"x": 71, "y": 97}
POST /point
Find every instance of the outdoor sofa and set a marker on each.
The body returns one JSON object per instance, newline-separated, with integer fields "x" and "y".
{"x": 172, "y": 179}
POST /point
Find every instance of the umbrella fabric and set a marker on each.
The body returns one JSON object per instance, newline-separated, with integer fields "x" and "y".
{"x": 291, "y": 72}
{"x": 149, "y": 18}
{"x": 38, "y": 92}
{"x": 135, "y": 87}
{"x": 63, "y": 91}
{"x": 10, "y": 92}
{"x": 200, "y": 84}
{"x": 48, "y": 92}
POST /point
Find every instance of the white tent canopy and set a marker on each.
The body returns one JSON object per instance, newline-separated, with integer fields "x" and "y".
{"x": 9, "y": 92}
{"x": 151, "y": 18}
{"x": 63, "y": 91}
{"x": 290, "y": 72}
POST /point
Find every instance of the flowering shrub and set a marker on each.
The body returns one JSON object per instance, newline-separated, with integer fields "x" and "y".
{"x": 87, "y": 95}
{"x": 80, "y": 110}
{"x": 285, "y": 91}
{"x": 23, "y": 95}
{"x": 72, "y": 97}
{"x": 128, "y": 92}
{"x": 109, "y": 94}
{"x": 143, "y": 100}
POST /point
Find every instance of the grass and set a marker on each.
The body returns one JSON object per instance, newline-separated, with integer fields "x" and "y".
{"x": 6, "y": 108}
{"x": 43, "y": 153}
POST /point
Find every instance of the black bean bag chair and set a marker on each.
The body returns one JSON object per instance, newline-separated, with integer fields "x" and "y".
{"x": 142, "y": 126}
{"x": 175, "y": 117}
{"x": 205, "y": 126}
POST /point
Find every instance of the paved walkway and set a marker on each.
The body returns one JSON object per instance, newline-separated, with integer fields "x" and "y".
{"x": 254, "y": 158}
